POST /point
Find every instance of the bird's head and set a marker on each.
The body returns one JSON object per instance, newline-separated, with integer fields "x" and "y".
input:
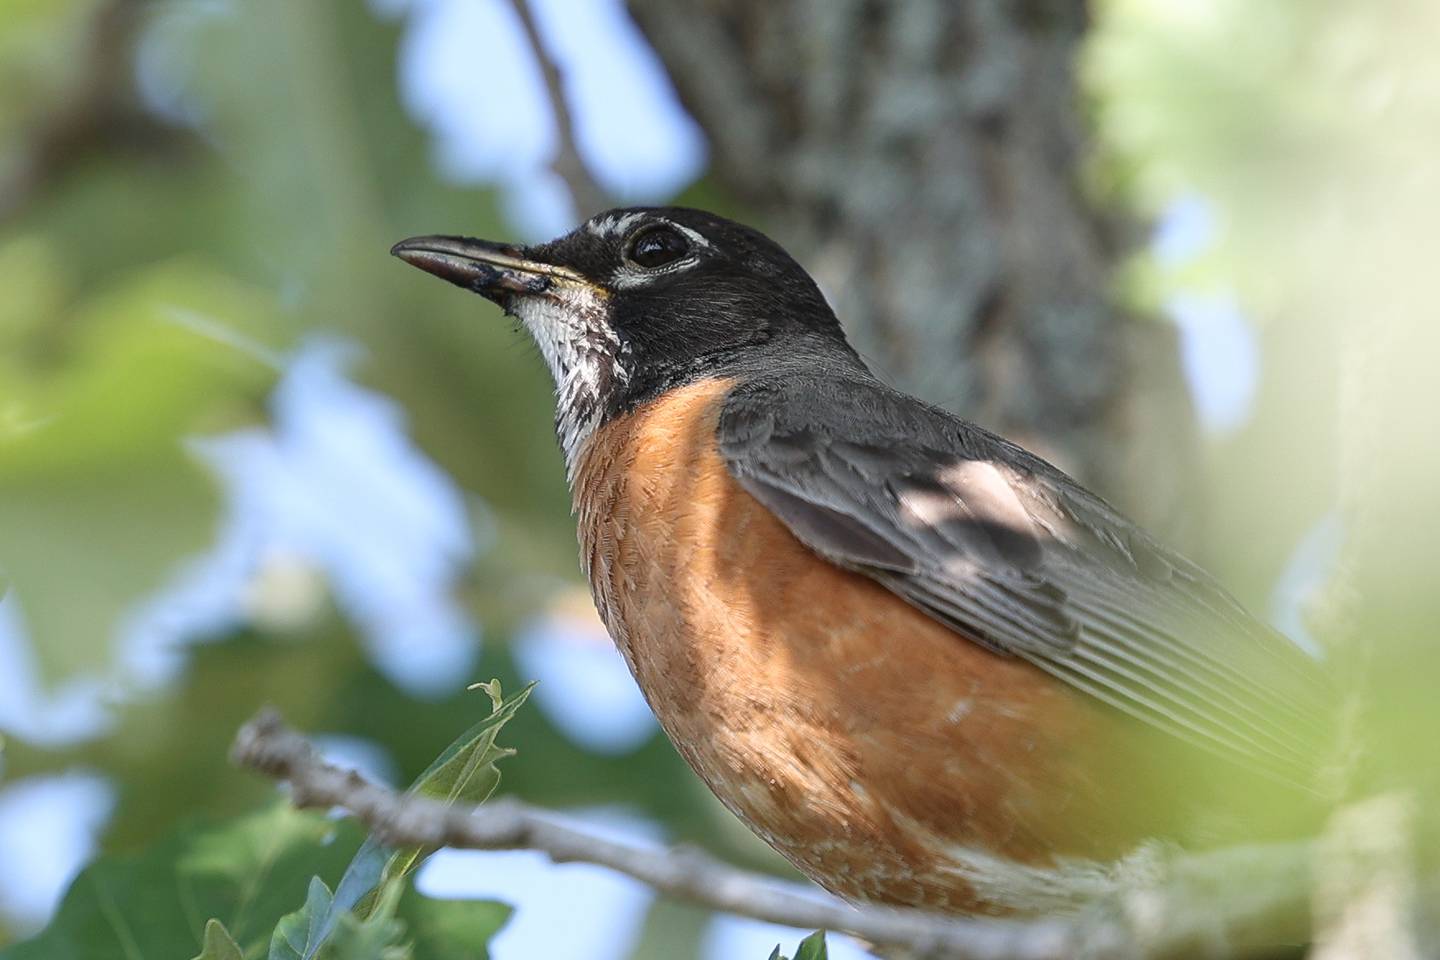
{"x": 636, "y": 301}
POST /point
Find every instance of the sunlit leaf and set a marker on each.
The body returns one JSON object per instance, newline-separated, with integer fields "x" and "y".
{"x": 450, "y": 929}
{"x": 812, "y": 947}
{"x": 465, "y": 772}
{"x": 218, "y": 944}
{"x": 298, "y": 934}
{"x": 379, "y": 936}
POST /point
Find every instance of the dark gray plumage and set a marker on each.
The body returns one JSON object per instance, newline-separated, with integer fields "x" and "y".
{"x": 1012, "y": 553}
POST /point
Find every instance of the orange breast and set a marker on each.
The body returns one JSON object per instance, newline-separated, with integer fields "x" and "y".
{"x": 883, "y": 754}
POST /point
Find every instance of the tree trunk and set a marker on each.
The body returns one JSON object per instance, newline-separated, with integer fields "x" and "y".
{"x": 923, "y": 160}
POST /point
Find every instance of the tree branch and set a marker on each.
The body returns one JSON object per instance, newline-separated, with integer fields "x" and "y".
{"x": 589, "y": 197}
{"x": 97, "y": 112}
{"x": 1211, "y": 904}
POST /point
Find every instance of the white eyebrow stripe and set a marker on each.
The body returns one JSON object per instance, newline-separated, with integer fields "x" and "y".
{"x": 610, "y": 226}
{"x": 617, "y": 226}
{"x": 695, "y": 237}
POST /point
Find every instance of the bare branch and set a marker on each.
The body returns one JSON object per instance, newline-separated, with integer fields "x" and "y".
{"x": 1217, "y": 904}
{"x": 96, "y": 113}
{"x": 589, "y": 197}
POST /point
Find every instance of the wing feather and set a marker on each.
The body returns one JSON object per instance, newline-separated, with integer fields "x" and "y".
{"x": 1013, "y": 554}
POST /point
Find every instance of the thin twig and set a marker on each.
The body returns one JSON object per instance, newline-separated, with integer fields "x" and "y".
{"x": 97, "y": 112}
{"x": 588, "y": 195}
{"x": 1150, "y": 923}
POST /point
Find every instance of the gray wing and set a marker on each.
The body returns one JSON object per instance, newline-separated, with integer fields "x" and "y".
{"x": 1012, "y": 553}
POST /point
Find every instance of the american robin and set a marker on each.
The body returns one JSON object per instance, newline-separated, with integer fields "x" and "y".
{"x": 925, "y": 665}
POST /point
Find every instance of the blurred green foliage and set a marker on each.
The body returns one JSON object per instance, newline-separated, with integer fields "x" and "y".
{"x": 227, "y": 886}
{"x": 92, "y": 467}
{"x": 1311, "y": 127}
{"x": 1227, "y": 101}
{"x": 238, "y": 877}
{"x": 152, "y": 276}
{"x": 247, "y": 873}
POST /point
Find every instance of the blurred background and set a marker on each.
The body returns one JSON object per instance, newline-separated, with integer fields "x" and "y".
{"x": 1181, "y": 247}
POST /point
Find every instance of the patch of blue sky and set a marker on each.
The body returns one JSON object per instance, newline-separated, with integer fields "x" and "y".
{"x": 572, "y": 911}
{"x": 366, "y": 757}
{"x": 336, "y": 482}
{"x": 585, "y": 688}
{"x": 577, "y": 911}
{"x": 1187, "y": 229}
{"x": 1220, "y": 356}
{"x": 1308, "y": 573}
{"x": 73, "y": 711}
{"x": 49, "y": 827}
{"x": 468, "y": 75}
{"x": 629, "y": 126}
{"x": 1219, "y": 351}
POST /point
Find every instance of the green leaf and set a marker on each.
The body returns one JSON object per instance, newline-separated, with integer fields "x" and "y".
{"x": 465, "y": 772}
{"x": 220, "y": 891}
{"x": 377, "y": 937}
{"x": 245, "y": 873}
{"x": 813, "y": 947}
{"x": 298, "y": 934}
{"x": 436, "y": 929}
{"x": 451, "y": 929}
{"x": 218, "y": 944}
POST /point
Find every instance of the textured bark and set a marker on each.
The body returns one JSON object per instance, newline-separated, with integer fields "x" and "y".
{"x": 923, "y": 159}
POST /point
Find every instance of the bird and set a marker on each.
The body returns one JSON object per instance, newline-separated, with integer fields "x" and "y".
{"x": 922, "y": 663}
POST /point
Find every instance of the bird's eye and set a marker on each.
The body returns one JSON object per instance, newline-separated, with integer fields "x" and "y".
{"x": 658, "y": 246}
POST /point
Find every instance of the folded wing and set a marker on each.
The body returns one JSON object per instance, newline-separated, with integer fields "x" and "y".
{"x": 1013, "y": 554}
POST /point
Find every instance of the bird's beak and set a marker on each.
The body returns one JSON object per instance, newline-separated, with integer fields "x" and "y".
{"x": 496, "y": 271}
